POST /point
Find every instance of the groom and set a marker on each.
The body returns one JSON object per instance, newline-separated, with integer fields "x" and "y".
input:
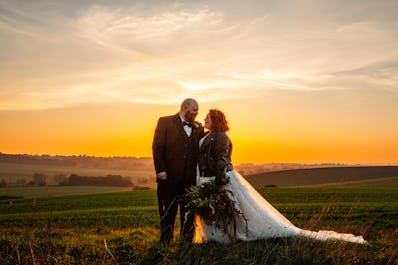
{"x": 175, "y": 151}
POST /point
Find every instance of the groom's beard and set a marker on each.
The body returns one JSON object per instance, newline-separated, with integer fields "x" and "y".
{"x": 190, "y": 116}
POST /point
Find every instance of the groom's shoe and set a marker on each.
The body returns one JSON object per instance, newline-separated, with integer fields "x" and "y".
{"x": 186, "y": 236}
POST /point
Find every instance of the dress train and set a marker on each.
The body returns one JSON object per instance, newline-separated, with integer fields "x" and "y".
{"x": 263, "y": 220}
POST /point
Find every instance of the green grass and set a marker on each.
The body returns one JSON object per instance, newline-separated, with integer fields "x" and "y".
{"x": 57, "y": 191}
{"x": 72, "y": 229}
{"x": 375, "y": 183}
{"x": 81, "y": 202}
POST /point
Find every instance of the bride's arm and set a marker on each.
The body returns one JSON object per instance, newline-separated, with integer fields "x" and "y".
{"x": 221, "y": 157}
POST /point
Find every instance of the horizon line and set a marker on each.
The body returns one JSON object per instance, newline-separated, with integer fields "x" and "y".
{"x": 242, "y": 163}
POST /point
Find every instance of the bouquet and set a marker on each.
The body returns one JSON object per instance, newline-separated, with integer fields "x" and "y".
{"x": 215, "y": 206}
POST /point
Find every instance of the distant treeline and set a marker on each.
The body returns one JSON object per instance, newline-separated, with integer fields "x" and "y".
{"x": 110, "y": 180}
{"x": 247, "y": 169}
{"x": 134, "y": 163}
{"x": 80, "y": 161}
{"x": 40, "y": 179}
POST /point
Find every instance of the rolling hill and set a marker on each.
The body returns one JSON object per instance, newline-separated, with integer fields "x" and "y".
{"x": 328, "y": 175}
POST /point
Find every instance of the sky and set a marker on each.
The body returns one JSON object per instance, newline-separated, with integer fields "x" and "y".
{"x": 306, "y": 81}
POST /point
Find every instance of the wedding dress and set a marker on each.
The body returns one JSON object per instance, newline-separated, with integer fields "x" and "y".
{"x": 263, "y": 220}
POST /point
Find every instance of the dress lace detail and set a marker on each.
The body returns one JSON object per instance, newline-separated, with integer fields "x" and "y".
{"x": 263, "y": 220}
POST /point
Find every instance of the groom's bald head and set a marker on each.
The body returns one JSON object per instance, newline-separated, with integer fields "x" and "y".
{"x": 188, "y": 102}
{"x": 189, "y": 109}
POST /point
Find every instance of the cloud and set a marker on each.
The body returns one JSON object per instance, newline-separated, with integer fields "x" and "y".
{"x": 131, "y": 30}
{"x": 376, "y": 76}
{"x": 61, "y": 54}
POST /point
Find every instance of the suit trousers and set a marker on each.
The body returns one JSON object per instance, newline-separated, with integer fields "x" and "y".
{"x": 169, "y": 198}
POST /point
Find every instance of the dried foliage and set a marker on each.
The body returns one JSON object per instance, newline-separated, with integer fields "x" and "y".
{"x": 215, "y": 205}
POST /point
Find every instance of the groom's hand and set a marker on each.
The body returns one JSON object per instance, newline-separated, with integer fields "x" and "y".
{"x": 161, "y": 175}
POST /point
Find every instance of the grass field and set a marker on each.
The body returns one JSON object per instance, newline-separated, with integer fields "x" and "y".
{"x": 56, "y": 191}
{"x": 375, "y": 183}
{"x": 122, "y": 228}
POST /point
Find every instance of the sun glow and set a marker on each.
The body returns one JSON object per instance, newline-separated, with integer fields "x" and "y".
{"x": 93, "y": 78}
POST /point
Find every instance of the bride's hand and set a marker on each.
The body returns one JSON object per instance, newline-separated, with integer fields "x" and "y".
{"x": 222, "y": 181}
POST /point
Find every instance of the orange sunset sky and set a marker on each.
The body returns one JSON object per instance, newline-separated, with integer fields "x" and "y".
{"x": 300, "y": 81}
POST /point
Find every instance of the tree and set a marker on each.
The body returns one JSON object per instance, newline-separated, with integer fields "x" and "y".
{"x": 3, "y": 183}
{"x": 60, "y": 179}
{"x": 109, "y": 180}
{"x": 39, "y": 179}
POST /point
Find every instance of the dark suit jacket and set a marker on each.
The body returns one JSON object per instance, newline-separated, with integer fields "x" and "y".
{"x": 173, "y": 150}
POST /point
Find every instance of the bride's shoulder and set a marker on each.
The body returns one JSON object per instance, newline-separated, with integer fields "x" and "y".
{"x": 220, "y": 135}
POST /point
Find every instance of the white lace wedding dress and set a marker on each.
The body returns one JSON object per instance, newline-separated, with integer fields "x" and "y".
{"x": 263, "y": 220}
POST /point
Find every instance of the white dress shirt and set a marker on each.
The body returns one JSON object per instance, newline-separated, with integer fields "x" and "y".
{"x": 187, "y": 129}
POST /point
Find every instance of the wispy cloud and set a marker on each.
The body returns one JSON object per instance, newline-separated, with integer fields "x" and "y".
{"x": 91, "y": 53}
{"x": 131, "y": 30}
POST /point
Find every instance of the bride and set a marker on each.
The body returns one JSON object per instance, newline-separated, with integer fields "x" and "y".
{"x": 257, "y": 219}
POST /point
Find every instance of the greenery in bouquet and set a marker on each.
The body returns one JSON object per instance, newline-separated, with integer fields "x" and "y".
{"x": 215, "y": 206}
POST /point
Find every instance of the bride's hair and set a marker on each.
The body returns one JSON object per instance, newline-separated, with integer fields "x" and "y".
{"x": 219, "y": 122}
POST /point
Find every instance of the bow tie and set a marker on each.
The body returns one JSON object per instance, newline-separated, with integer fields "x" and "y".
{"x": 184, "y": 123}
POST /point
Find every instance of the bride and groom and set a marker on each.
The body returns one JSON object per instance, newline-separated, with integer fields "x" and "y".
{"x": 185, "y": 156}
